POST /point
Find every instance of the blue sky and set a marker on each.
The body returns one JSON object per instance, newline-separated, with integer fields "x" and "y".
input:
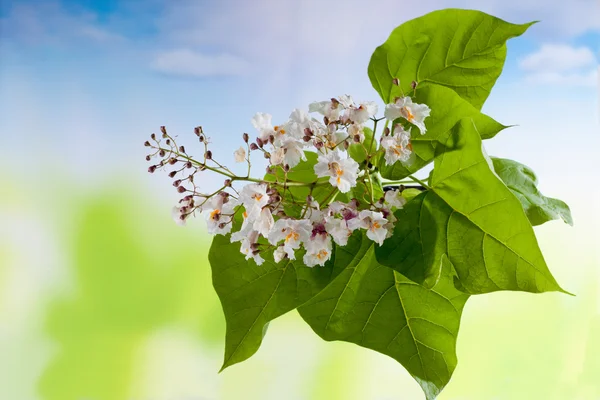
{"x": 94, "y": 78}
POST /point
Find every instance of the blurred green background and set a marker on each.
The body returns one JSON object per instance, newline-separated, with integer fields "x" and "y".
{"x": 103, "y": 297}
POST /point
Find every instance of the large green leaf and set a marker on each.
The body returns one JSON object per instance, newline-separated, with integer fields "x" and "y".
{"x": 377, "y": 308}
{"x": 521, "y": 180}
{"x": 253, "y": 295}
{"x": 470, "y": 215}
{"x": 447, "y": 108}
{"x": 461, "y": 49}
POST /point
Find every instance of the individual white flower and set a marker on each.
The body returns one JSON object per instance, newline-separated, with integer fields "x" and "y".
{"x": 292, "y": 232}
{"x": 397, "y": 146}
{"x": 342, "y": 173}
{"x": 374, "y": 223}
{"x": 218, "y": 219}
{"x": 331, "y": 109}
{"x": 338, "y": 229}
{"x": 264, "y": 222}
{"x": 279, "y": 254}
{"x": 262, "y": 123}
{"x": 394, "y": 198}
{"x": 247, "y": 247}
{"x": 254, "y": 197}
{"x": 277, "y": 156}
{"x": 363, "y": 112}
{"x": 318, "y": 250}
{"x": 245, "y": 230}
{"x": 300, "y": 121}
{"x": 240, "y": 155}
{"x": 412, "y": 112}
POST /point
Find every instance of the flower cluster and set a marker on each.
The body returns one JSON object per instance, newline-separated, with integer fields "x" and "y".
{"x": 260, "y": 210}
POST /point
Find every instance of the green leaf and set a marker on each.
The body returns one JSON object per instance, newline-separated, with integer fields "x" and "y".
{"x": 357, "y": 150}
{"x": 377, "y": 308}
{"x": 521, "y": 180}
{"x": 470, "y": 215}
{"x": 447, "y": 108}
{"x": 253, "y": 295}
{"x": 461, "y": 49}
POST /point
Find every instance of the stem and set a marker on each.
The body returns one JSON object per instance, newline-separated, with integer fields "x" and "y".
{"x": 420, "y": 182}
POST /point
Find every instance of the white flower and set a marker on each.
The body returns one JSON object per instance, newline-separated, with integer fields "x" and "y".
{"x": 264, "y": 222}
{"x": 412, "y": 112}
{"x": 254, "y": 197}
{"x": 318, "y": 250}
{"x": 338, "y": 229}
{"x": 394, "y": 198}
{"x": 362, "y": 113}
{"x": 331, "y": 109}
{"x": 218, "y": 219}
{"x": 374, "y": 223}
{"x": 279, "y": 254}
{"x": 277, "y": 156}
{"x": 262, "y": 123}
{"x": 292, "y": 232}
{"x": 247, "y": 247}
{"x": 299, "y": 121}
{"x": 240, "y": 155}
{"x": 397, "y": 146}
{"x": 342, "y": 172}
{"x": 290, "y": 153}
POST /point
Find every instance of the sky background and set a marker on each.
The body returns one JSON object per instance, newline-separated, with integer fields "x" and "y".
{"x": 84, "y": 83}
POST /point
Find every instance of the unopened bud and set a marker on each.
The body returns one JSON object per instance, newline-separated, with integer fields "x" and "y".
{"x": 253, "y": 146}
{"x": 147, "y": 143}
{"x": 153, "y": 136}
{"x": 162, "y": 153}
{"x": 201, "y": 138}
{"x": 227, "y": 182}
{"x": 260, "y": 142}
{"x": 309, "y": 199}
{"x": 326, "y": 120}
{"x": 306, "y": 138}
{"x": 181, "y": 149}
{"x": 269, "y": 169}
{"x": 413, "y": 84}
{"x": 274, "y": 199}
{"x": 181, "y": 189}
{"x": 197, "y": 131}
{"x": 319, "y": 145}
{"x": 267, "y": 154}
{"x": 356, "y": 138}
{"x": 271, "y": 139}
{"x": 177, "y": 183}
{"x": 222, "y": 225}
{"x": 169, "y": 142}
{"x": 163, "y": 129}
{"x": 308, "y": 132}
{"x": 386, "y": 131}
{"x": 188, "y": 164}
{"x": 396, "y": 82}
{"x": 152, "y": 168}
{"x": 172, "y": 161}
{"x": 224, "y": 195}
{"x": 208, "y": 155}
{"x": 286, "y": 168}
{"x": 346, "y": 144}
{"x": 172, "y": 174}
{"x": 245, "y": 137}
{"x": 148, "y": 158}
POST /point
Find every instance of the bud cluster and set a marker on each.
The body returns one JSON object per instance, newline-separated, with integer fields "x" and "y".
{"x": 262, "y": 205}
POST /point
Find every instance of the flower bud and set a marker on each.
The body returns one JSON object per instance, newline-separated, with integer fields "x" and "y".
{"x": 172, "y": 161}
{"x": 172, "y": 174}
{"x": 356, "y": 138}
{"x": 286, "y": 168}
{"x": 188, "y": 164}
{"x": 224, "y": 195}
{"x": 253, "y": 146}
{"x": 152, "y": 168}
{"x": 153, "y": 136}
{"x": 201, "y": 138}
{"x": 148, "y": 158}
{"x": 208, "y": 155}
{"x": 396, "y": 82}
{"x": 245, "y": 137}
{"x": 260, "y": 142}
{"x": 181, "y": 189}
{"x": 163, "y": 129}
{"x": 319, "y": 145}
{"x": 162, "y": 153}
{"x": 309, "y": 199}
{"x": 386, "y": 131}
{"x": 227, "y": 182}
{"x": 267, "y": 154}
{"x": 271, "y": 139}
{"x": 413, "y": 85}
{"x": 177, "y": 183}
{"x": 181, "y": 149}
{"x": 147, "y": 143}
{"x": 168, "y": 142}
{"x": 308, "y": 132}
{"x": 306, "y": 138}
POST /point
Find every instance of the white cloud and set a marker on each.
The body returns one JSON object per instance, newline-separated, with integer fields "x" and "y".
{"x": 185, "y": 62}
{"x": 561, "y": 64}
{"x": 558, "y": 57}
